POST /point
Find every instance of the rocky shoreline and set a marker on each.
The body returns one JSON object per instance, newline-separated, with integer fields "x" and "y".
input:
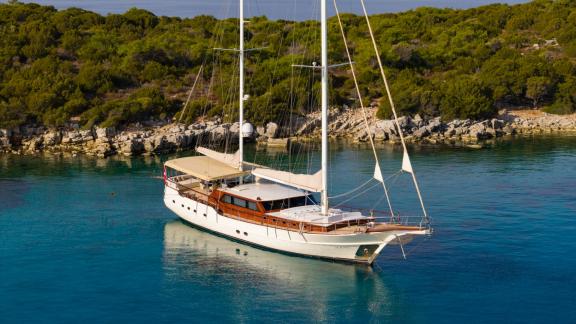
{"x": 348, "y": 124}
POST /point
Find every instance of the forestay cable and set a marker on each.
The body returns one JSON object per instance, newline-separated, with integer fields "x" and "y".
{"x": 353, "y": 71}
{"x": 427, "y": 219}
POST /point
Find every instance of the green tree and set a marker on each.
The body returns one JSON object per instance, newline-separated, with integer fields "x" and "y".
{"x": 466, "y": 97}
{"x": 565, "y": 99}
{"x": 537, "y": 88}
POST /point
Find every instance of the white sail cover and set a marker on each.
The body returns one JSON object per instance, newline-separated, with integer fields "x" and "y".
{"x": 378, "y": 173}
{"x": 230, "y": 159}
{"x": 308, "y": 182}
{"x": 406, "y": 164}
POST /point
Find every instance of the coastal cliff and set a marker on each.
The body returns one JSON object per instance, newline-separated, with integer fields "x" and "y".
{"x": 345, "y": 124}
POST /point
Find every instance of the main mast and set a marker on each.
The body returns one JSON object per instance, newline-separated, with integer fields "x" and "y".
{"x": 241, "y": 87}
{"x": 324, "y": 69}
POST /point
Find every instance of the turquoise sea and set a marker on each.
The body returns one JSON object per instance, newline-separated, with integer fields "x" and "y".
{"x": 84, "y": 240}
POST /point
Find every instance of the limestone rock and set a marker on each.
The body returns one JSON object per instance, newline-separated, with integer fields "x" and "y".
{"x": 105, "y": 132}
{"x": 309, "y": 127}
{"x": 5, "y": 144}
{"x": 497, "y": 123}
{"x": 387, "y": 126}
{"x": 434, "y": 125}
{"x": 261, "y": 130}
{"x": 132, "y": 147}
{"x": 52, "y": 138}
{"x": 101, "y": 147}
{"x": 418, "y": 121}
{"x": 35, "y": 144}
{"x": 421, "y": 132}
{"x": 271, "y": 130}
{"x": 379, "y": 134}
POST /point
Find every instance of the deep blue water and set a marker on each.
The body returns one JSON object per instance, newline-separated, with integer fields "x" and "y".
{"x": 276, "y": 9}
{"x": 87, "y": 240}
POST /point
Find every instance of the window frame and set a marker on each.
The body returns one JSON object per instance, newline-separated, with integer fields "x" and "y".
{"x": 244, "y": 205}
{"x": 227, "y": 199}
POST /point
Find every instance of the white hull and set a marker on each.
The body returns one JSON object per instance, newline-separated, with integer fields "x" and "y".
{"x": 329, "y": 246}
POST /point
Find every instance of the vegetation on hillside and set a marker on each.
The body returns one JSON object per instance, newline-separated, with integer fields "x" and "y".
{"x": 116, "y": 69}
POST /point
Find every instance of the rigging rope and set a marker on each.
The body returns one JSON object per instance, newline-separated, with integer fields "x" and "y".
{"x": 353, "y": 71}
{"x": 353, "y": 190}
{"x": 190, "y": 93}
{"x": 357, "y": 195}
{"x": 392, "y": 106}
{"x": 369, "y": 188}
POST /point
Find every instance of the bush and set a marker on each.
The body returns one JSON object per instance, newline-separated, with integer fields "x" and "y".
{"x": 454, "y": 63}
{"x": 466, "y": 97}
{"x": 565, "y": 101}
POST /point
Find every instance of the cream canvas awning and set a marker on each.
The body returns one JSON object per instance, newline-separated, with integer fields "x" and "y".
{"x": 204, "y": 168}
{"x": 308, "y": 182}
{"x": 232, "y": 160}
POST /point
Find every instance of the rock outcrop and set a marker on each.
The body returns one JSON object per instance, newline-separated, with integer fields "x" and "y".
{"x": 350, "y": 124}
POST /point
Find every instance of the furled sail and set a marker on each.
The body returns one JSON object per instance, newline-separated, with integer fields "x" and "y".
{"x": 406, "y": 164}
{"x": 308, "y": 182}
{"x": 230, "y": 159}
{"x": 378, "y": 173}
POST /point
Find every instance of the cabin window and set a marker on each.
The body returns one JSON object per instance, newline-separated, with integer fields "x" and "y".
{"x": 275, "y": 204}
{"x": 297, "y": 201}
{"x": 239, "y": 202}
{"x": 252, "y": 205}
{"x": 227, "y": 199}
{"x": 288, "y": 203}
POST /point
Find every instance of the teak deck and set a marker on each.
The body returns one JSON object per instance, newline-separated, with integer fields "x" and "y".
{"x": 214, "y": 199}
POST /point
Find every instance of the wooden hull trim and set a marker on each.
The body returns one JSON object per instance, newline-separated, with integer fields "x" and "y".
{"x": 346, "y": 247}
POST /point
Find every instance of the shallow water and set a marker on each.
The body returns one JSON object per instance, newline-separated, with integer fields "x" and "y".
{"x": 90, "y": 240}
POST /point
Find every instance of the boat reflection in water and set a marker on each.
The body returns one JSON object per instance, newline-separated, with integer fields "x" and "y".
{"x": 247, "y": 275}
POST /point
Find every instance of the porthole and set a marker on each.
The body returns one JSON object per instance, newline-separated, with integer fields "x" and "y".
{"x": 245, "y": 234}
{"x": 204, "y": 214}
{"x": 194, "y": 210}
{"x": 188, "y": 208}
{"x": 237, "y": 232}
{"x": 182, "y": 205}
{"x": 174, "y": 201}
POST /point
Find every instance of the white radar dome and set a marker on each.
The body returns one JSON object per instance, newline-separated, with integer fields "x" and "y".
{"x": 247, "y": 129}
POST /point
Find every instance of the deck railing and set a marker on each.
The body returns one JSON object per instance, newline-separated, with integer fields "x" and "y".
{"x": 375, "y": 217}
{"x": 381, "y": 216}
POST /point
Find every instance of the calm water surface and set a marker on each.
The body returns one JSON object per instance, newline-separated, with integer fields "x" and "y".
{"x": 86, "y": 240}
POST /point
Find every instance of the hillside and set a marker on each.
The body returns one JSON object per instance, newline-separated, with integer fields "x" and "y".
{"x": 57, "y": 66}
